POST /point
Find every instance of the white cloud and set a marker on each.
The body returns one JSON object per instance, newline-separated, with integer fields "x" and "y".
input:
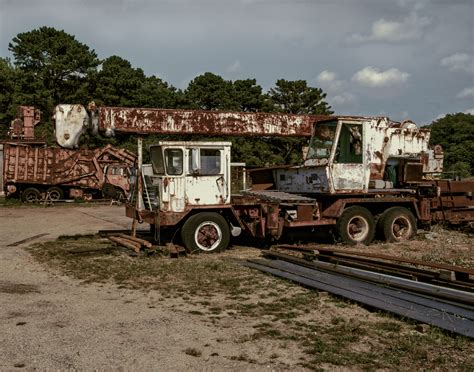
{"x": 466, "y": 93}
{"x": 374, "y": 78}
{"x": 342, "y": 98}
{"x": 410, "y": 28}
{"x": 329, "y": 81}
{"x": 469, "y": 111}
{"x": 337, "y": 89}
{"x": 326, "y": 76}
{"x": 459, "y": 62}
{"x": 234, "y": 67}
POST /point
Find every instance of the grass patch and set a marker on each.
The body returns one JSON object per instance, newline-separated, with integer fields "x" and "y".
{"x": 322, "y": 332}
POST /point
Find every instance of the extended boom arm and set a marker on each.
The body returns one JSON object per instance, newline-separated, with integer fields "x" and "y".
{"x": 73, "y": 120}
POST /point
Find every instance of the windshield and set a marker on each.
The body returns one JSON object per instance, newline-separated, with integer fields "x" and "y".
{"x": 321, "y": 143}
{"x": 156, "y": 155}
{"x": 171, "y": 159}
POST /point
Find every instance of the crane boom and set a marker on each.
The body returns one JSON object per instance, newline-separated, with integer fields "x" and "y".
{"x": 73, "y": 120}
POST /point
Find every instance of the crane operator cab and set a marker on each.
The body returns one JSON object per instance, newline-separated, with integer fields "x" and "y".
{"x": 355, "y": 154}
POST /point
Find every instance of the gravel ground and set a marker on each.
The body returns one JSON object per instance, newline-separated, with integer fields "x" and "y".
{"x": 52, "y": 322}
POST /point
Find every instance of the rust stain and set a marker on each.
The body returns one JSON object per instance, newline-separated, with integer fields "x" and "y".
{"x": 144, "y": 121}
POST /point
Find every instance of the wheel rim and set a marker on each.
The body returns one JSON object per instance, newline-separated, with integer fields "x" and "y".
{"x": 401, "y": 228}
{"x": 208, "y": 236}
{"x": 358, "y": 228}
{"x": 55, "y": 195}
{"x": 31, "y": 197}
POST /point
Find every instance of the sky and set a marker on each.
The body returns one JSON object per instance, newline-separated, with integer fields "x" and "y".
{"x": 406, "y": 59}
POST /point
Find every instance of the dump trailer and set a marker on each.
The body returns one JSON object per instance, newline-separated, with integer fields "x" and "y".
{"x": 362, "y": 176}
{"x": 32, "y": 170}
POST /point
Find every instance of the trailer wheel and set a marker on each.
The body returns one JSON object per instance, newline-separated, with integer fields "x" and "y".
{"x": 55, "y": 193}
{"x": 356, "y": 225}
{"x": 206, "y": 232}
{"x": 31, "y": 195}
{"x": 399, "y": 224}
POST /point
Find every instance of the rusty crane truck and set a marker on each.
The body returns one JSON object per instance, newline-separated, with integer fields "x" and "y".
{"x": 361, "y": 175}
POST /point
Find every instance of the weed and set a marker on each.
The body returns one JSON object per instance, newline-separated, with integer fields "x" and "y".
{"x": 243, "y": 358}
{"x": 196, "y": 312}
{"x": 193, "y": 352}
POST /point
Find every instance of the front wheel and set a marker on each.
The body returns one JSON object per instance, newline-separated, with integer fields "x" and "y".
{"x": 207, "y": 232}
{"x": 356, "y": 225}
{"x": 399, "y": 224}
{"x": 31, "y": 195}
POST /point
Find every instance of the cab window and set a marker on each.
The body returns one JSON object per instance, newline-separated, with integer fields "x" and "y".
{"x": 349, "y": 146}
{"x": 174, "y": 161}
{"x": 157, "y": 162}
{"x": 204, "y": 161}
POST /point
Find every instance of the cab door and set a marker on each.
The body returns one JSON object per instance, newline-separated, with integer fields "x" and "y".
{"x": 207, "y": 181}
{"x": 348, "y": 169}
{"x": 172, "y": 192}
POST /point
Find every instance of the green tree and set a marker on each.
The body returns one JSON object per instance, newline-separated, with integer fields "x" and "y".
{"x": 296, "y": 97}
{"x": 155, "y": 92}
{"x": 455, "y": 132}
{"x": 248, "y": 95}
{"x": 210, "y": 92}
{"x": 54, "y": 68}
{"x": 117, "y": 83}
{"x": 460, "y": 169}
{"x": 8, "y": 77}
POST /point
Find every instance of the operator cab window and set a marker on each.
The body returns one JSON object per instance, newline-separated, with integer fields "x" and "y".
{"x": 349, "y": 146}
{"x": 174, "y": 161}
{"x": 204, "y": 162}
{"x": 322, "y": 141}
{"x": 157, "y": 162}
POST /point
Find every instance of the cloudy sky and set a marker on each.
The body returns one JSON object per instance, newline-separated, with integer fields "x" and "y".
{"x": 407, "y": 59}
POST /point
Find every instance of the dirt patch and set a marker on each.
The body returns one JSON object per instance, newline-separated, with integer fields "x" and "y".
{"x": 17, "y": 288}
{"x": 265, "y": 321}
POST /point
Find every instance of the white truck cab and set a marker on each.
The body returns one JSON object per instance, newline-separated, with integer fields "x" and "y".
{"x": 190, "y": 174}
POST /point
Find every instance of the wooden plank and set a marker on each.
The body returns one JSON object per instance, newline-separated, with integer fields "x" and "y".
{"x": 126, "y": 243}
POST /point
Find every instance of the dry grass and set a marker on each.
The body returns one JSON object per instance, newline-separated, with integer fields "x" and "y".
{"x": 297, "y": 328}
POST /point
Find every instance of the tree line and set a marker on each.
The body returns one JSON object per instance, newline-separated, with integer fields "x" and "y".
{"x": 51, "y": 66}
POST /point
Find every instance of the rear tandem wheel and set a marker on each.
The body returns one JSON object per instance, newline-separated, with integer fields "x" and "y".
{"x": 398, "y": 224}
{"x": 30, "y": 195}
{"x": 356, "y": 225}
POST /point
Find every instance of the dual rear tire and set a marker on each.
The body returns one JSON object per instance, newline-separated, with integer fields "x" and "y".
{"x": 33, "y": 195}
{"x": 357, "y": 225}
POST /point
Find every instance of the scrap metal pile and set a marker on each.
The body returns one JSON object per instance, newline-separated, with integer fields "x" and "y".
{"x": 437, "y": 294}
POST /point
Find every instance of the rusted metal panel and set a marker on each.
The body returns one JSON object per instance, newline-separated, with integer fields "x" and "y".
{"x": 23, "y": 127}
{"x": 55, "y": 166}
{"x": 306, "y": 179}
{"x": 165, "y": 121}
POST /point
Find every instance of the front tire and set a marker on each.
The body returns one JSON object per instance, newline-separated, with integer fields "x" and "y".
{"x": 206, "y": 232}
{"x": 356, "y": 225}
{"x": 399, "y": 224}
{"x": 31, "y": 195}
